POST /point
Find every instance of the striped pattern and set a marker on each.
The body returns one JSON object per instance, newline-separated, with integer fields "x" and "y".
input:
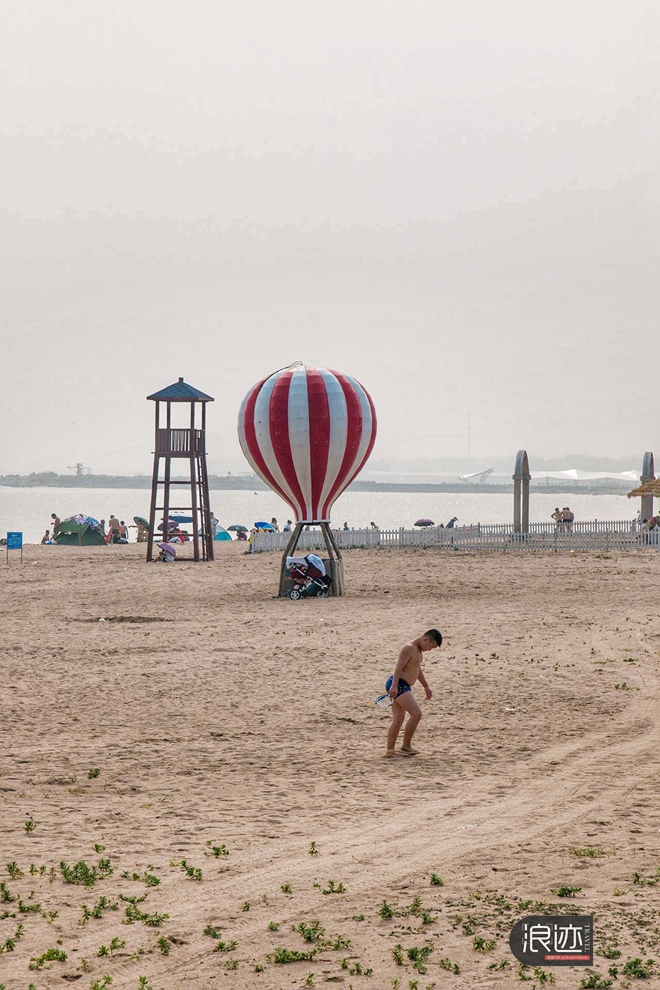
{"x": 307, "y": 432}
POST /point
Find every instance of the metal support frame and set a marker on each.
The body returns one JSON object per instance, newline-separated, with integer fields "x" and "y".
{"x": 333, "y": 551}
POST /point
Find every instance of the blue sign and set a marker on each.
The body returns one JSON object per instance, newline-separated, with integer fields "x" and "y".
{"x": 14, "y": 541}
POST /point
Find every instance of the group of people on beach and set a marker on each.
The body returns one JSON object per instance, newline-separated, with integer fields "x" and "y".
{"x": 116, "y": 532}
{"x": 564, "y": 518}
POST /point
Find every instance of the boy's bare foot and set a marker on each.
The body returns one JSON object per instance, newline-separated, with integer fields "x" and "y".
{"x": 409, "y": 751}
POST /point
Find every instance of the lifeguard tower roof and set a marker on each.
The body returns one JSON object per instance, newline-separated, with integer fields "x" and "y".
{"x": 180, "y": 392}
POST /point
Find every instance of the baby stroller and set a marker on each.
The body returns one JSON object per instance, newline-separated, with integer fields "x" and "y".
{"x": 310, "y": 579}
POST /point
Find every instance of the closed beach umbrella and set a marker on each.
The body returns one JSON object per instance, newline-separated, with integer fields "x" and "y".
{"x": 307, "y": 432}
{"x": 424, "y": 522}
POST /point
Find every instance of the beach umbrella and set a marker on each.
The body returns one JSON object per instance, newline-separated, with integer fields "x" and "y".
{"x": 168, "y": 548}
{"x": 181, "y": 519}
{"x": 424, "y": 522}
{"x": 237, "y": 529}
{"x": 307, "y": 432}
{"x": 141, "y": 522}
{"x": 264, "y": 525}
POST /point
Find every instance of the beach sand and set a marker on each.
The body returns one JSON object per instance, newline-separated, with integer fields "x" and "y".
{"x": 219, "y": 715}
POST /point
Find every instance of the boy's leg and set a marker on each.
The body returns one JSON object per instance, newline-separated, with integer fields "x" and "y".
{"x": 398, "y": 715}
{"x": 408, "y": 703}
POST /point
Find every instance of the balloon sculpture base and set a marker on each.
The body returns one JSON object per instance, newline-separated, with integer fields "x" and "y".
{"x": 336, "y": 564}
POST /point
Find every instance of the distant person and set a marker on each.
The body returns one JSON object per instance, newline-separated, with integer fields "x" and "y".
{"x": 102, "y": 525}
{"x": 556, "y": 515}
{"x": 373, "y": 525}
{"x": 273, "y": 523}
{"x": 567, "y": 518}
{"x": 214, "y": 526}
{"x": 452, "y": 523}
{"x": 46, "y": 537}
{"x": 142, "y": 530}
{"x": 123, "y": 530}
{"x": 56, "y": 520}
{"x": 113, "y": 528}
{"x": 287, "y": 527}
{"x": 345, "y": 527}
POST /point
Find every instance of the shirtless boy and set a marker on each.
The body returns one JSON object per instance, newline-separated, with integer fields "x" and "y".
{"x": 407, "y": 672}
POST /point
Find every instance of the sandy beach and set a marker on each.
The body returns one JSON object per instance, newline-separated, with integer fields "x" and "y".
{"x": 221, "y": 719}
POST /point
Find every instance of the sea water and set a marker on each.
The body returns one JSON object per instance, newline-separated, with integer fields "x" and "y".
{"x": 28, "y": 510}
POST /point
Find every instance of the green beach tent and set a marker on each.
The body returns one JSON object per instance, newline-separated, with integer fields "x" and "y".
{"x": 79, "y": 531}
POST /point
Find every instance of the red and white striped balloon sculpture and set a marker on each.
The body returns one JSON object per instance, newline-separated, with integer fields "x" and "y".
{"x": 307, "y": 432}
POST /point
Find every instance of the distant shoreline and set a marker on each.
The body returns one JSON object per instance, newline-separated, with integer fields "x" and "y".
{"x": 236, "y": 483}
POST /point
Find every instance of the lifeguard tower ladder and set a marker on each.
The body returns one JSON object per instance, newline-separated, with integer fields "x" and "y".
{"x": 186, "y": 444}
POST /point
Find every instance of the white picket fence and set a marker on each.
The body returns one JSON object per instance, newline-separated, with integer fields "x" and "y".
{"x": 583, "y": 535}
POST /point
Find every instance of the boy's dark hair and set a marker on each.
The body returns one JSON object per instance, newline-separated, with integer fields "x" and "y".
{"x": 434, "y": 634}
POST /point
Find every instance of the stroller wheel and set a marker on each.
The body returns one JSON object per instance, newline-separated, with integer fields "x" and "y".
{"x": 294, "y": 594}
{"x": 323, "y": 593}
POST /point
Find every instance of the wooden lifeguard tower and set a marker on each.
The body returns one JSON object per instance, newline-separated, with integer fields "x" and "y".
{"x": 185, "y": 442}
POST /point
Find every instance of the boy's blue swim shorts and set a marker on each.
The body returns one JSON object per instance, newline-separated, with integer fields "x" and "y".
{"x": 402, "y": 687}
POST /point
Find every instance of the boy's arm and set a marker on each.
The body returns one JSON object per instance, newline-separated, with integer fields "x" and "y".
{"x": 424, "y": 683}
{"x": 400, "y": 664}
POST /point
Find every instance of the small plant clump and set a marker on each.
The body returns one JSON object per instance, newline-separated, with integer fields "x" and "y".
{"x": 50, "y": 955}
{"x": 313, "y": 851}
{"x": 594, "y": 981}
{"x": 480, "y": 944}
{"x": 133, "y": 913}
{"x": 103, "y": 904}
{"x": 13, "y": 871}
{"x": 282, "y": 956}
{"x": 286, "y": 888}
{"x": 220, "y": 850}
{"x": 447, "y": 964}
{"x": 334, "y": 888}
{"x": 6, "y": 896}
{"x": 225, "y": 946}
{"x": 386, "y": 910}
{"x": 565, "y": 891}
{"x": 418, "y": 955}
{"x": 273, "y": 926}
{"x": 30, "y": 825}
{"x": 310, "y": 933}
{"x": 194, "y": 872}
{"x": 83, "y": 874}
{"x": 94, "y": 772}
{"x": 101, "y": 983}
{"x": 211, "y": 931}
{"x": 437, "y": 881}
{"x": 638, "y": 968}
{"x": 163, "y": 944}
{"x": 356, "y": 969}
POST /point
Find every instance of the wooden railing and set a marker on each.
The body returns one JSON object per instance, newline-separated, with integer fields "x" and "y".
{"x": 179, "y": 443}
{"x": 585, "y": 535}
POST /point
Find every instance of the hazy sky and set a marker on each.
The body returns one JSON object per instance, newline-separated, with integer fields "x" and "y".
{"x": 456, "y": 203}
